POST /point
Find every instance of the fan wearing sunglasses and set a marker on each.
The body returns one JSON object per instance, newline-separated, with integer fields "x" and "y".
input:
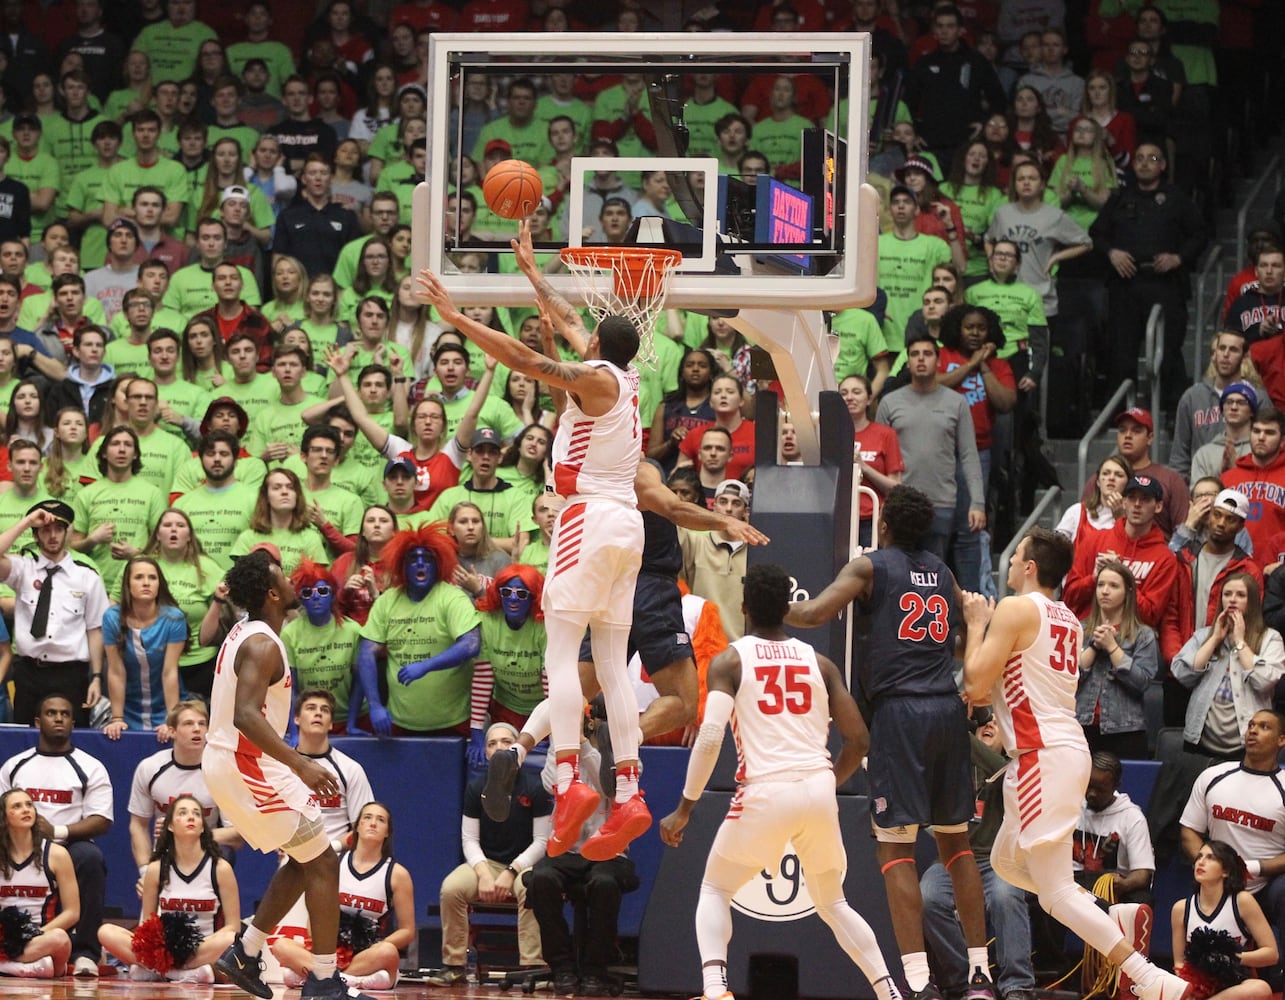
{"x": 508, "y": 676}
{"x": 427, "y": 632}
{"x": 321, "y": 642}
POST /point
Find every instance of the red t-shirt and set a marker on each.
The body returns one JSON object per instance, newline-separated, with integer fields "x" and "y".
{"x": 878, "y": 447}
{"x": 974, "y": 390}
{"x": 742, "y": 447}
{"x": 433, "y": 475}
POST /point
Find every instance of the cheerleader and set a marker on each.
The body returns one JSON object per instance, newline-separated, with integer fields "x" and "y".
{"x": 191, "y": 906}
{"x": 39, "y": 897}
{"x": 1216, "y": 930}
{"x": 377, "y": 910}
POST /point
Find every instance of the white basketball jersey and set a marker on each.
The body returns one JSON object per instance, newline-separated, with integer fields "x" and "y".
{"x": 597, "y": 457}
{"x": 368, "y": 893}
{"x": 32, "y": 890}
{"x": 196, "y": 893}
{"x": 276, "y": 707}
{"x": 1035, "y": 695}
{"x": 781, "y": 713}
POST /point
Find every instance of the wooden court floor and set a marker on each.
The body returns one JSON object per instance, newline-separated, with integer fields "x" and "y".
{"x": 110, "y": 988}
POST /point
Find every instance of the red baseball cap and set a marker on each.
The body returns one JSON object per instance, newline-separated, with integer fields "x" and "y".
{"x": 1138, "y": 415}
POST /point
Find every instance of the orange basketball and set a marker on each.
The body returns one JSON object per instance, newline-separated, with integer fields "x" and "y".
{"x": 512, "y": 189}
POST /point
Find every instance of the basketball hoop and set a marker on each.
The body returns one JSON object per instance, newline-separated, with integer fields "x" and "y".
{"x": 625, "y": 281}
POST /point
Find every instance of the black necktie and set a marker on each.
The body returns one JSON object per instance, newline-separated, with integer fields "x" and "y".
{"x": 40, "y": 623}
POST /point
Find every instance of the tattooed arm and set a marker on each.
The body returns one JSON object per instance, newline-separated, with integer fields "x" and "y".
{"x": 595, "y": 389}
{"x": 564, "y": 315}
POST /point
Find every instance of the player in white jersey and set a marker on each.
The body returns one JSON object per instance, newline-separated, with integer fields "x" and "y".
{"x": 37, "y": 876}
{"x": 1023, "y": 656}
{"x": 596, "y": 547}
{"x": 779, "y": 696}
{"x": 266, "y": 788}
{"x": 188, "y": 877}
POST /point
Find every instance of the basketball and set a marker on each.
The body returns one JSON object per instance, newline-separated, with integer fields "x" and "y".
{"x": 512, "y": 189}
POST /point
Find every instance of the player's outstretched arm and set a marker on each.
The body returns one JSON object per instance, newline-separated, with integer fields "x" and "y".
{"x": 724, "y": 678}
{"x": 854, "y": 583}
{"x": 655, "y": 496}
{"x": 847, "y": 718}
{"x": 258, "y": 666}
{"x": 594, "y": 387}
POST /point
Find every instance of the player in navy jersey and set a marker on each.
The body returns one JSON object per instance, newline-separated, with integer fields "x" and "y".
{"x": 907, "y": 604}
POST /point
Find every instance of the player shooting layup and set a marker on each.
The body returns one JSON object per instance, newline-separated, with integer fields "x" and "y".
{"x": 779, "y": 695}
{"x": 267, "y": 789}
{"x": 1028, "y": 663}
{"x": 596, "y": 547}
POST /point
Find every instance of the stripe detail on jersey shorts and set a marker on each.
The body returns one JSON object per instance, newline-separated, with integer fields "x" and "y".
{"x": 1030, "y": 801}
{"x": 567, "y": 472}
{"x": 266, "y": 798}
{"x": 737, "y": 804}
{"x": 570, "y": 536}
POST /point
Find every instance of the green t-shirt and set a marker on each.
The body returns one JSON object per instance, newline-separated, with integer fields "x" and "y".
{"x": 128, "y": 176}
{"x": 183, "y": 398}
{"x": 906, "y": 271}
{"x": 324, "y": 656}
{"x": 127, "y": 357}
{"x": 658, "y": 378}
{"x": 548, "y": 108}
{"x": 191, "y": 290}
{"x": 250, "y": 472}
{"x": 860, "y": 342}
{"x": 277, "y": 422}
{"x": 172, "y": 50}
{"x": 219, "y": 516}
{"x": 609, "y": 106}
{"x": 295, "y": 546}
{"x": 85, "y": 195}
{"x": 350, "y": 257}
{"x": 342, "y": 507}
{"x": 780, "y": 141}
{"x": 495, "y": 414}
{"x": 134, "y": 507}
{"x": 384, "y": 145}
{"x": 502, "y": 508}
{"x": 192, "y": 592}
{"x": 320, "y": 336}
{"x": 272, "y": 309}
{"x": 260, "y": 392}
{"x": 1019, "y": 307}
{"x": 205, "y": 377}
{"x": 162, "y": 454}
{"x": 529, "y": 142}
{"x": 40, "y": 171}
{"x": 536, "y": 553}
{"x": 1082, "y": 167}
{"x": 700, "y": 119}
{"x": 414, "y": 631}
{"x": 69, "y": 144}
{"x": 517, "y": 659}
{"x": 976, "y": 209}
{"x": 278, "y": 57}
{"x": 31, "y": 316}
{"x": 78, "y": 474}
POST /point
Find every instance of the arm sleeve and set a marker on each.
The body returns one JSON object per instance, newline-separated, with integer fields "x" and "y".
{"x": 541, "y": 828}
{"x": 718, "y": 711}
{"x": 471, "y": 840}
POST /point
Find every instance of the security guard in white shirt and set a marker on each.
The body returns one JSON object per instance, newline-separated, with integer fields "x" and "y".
{"x": 58, "y": 615}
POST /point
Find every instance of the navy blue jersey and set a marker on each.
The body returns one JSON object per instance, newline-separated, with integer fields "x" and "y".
{"x": 661, "y": 553}
{"x": 905, "y": 632}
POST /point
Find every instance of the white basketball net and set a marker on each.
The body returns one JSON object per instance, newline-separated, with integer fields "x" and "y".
{"x": 625, "y": 281}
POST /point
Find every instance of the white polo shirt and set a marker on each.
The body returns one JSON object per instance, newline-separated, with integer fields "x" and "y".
{"x": 78, "y": 604}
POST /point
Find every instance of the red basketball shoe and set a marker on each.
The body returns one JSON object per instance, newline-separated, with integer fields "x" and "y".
{"x": 628, "y": 821}
{"x": 570, "y": 810}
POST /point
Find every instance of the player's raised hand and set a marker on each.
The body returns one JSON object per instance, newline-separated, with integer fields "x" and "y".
{"x": 977, "y": 609}
{"x": 431, "y": 291}
{"x": 524, "y": 250}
